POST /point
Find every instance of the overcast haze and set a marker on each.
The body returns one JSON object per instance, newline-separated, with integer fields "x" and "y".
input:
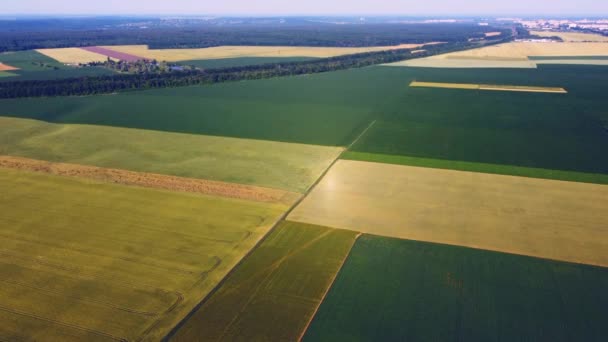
{"x": 307, "y": 7}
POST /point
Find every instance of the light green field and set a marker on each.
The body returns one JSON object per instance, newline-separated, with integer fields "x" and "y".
{"x": 86, "y": 261}
{"x": 273, "y": 295}
{"x": 4, "y": 74}
{"x": 287, "y": 166}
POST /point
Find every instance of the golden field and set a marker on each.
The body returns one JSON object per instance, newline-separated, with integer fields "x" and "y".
{"x": 175, "y": 55}
{"x": 513, "y": 55}
{"x": 572, "y": 36}
{"x": 73, "y": 56}
{"x": 6, "y": 67}
{"x": 542, "y": 218}
{"x": 89, "y": 261}
{"x": 523, "y": 50}
{"x": 529, "y": 89}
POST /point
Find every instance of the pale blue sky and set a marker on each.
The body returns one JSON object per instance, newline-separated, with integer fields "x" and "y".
{"x": 304, "y": 7}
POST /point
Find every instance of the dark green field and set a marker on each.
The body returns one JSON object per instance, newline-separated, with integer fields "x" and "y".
{"x": 398, "y": 290}
{"x": 274, "y": 293}
{"x": 544, "y": 131}
{"x": 242, "y": 61}
{"x": 36, "y": 66}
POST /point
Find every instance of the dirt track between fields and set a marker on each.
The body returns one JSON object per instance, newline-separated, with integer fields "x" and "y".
{"x": 151, "y": 180}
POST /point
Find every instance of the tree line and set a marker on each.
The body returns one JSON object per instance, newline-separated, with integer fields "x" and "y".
{"x": 189, "y": 76}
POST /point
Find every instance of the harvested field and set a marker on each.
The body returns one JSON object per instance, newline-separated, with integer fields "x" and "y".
{"x": 528, "y": 89}
{"x": 101, "y": 262}
{"x": 174, "y": 55}
{"x": 150, "y": 180}
{"x": 512, "y": 55}
{"x": 543, "y": 218}
{"x": 113, "y": 54}
{"x": 524, "y": 50}
{"x": 399, "y": 290}
{"x": 73, "y": 56}
{"x": 493, "y": 34}
{"x": 290, "y": 167}
{"x": 572, "y": 36}
{"x": 6, "y": 67}
{"x": 274, "y": 293}
{"x": 32, "y": 65}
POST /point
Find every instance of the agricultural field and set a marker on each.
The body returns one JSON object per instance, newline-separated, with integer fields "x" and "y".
{"x": 7, "y": 74}
{"x": 572, "y": 36}
{"x": 478, "y": 167}
{"x": 399, "y": 290}
{"x": 31, "y": 65}
{"x": 151, "y": 180}
{"x": 241, "y": 61}
{"x": 73, "y": 56}
{"x": 535, "y": 217}
{"x": 102, "y": 262}
{"x": 527, "y": 49}
{"x": 490, "y": 87}
{"x": 524, "y": 55}
{"x": 274, "y": 293}
{"x": 176, "y": 55}
{"x": 286, "y": 166}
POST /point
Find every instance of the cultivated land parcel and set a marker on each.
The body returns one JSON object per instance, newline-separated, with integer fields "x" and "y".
{"x": 498, "y": 131}
{"x": 542, "y": 218}
{"x": 398, "y": 290}
{"x": 101, "y": 262}
{"x": 263, "y": 133}
{"x": 291, "y": 167}
{"x": 273, "y": 295}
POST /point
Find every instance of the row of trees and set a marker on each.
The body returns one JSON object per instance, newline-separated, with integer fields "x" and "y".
{"x": 188, "y": 77}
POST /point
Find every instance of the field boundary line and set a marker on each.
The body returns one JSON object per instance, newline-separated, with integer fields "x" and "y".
{"x": 359, "y": 137}
{"x": 331, "y": 285}
{"x": 263, "y": 238}
{"x": 149, "y": 180}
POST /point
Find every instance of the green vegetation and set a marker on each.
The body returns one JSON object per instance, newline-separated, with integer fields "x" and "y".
{"x": 4, "y": 74}
{"x": 478, "y": 167}
{"x": 397, "y": 290}
{"x": 273, "y": 294}
{"x": 36, "y": 66}
{"x": 292, "y": 167}
{"x": 546, "y": 131}
{"x": 88, "y": 261}
{"x": 241, "y": 61}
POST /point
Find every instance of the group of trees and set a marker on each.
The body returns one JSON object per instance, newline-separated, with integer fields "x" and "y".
{"x": 190, "y": 76}
{"x": 198, "y": 37}
{"x": 143, "y": 66}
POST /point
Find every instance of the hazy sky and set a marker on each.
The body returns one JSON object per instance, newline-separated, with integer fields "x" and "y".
{"x": 285, "y": 7}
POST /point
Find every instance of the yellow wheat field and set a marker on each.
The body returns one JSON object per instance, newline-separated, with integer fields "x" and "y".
{"x": 174, "y": 55}
{"x": 572, "y": 36}
{"x": 73, "y": 55}
{"x": 524, "y": 50}
{"x": 530, "y": 89}
{"x": 536, "y": 217}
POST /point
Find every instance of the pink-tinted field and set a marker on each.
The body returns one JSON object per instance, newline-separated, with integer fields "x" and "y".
{"x": 113, "y": 54}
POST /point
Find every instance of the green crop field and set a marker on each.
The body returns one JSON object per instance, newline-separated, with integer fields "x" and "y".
{"x": 87, "y": 261}
{"x": 273, "y": 294}
{"x": 36, "y": 66}
{"x": 5, "y": 74}
{"x": 242, "y": 61}
{"x": 292, "y": 167}
{"x": 533, "y": 130}
{"x": 399, "y": 290}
